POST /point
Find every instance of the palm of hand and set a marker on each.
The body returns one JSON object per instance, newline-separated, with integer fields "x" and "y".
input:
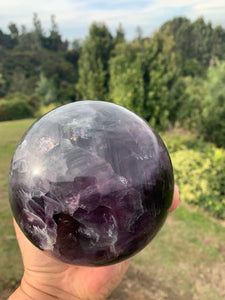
{"x": 63, "y": 281}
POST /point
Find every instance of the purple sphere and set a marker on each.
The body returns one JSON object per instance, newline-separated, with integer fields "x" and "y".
{"x": 90, "y": 183}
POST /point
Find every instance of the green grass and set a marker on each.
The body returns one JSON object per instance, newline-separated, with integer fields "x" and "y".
{"x": 188, "y": 255}
{"x": 189, "y": 247}
{"x": 10, "y": 262}
{"x": 10, "y": 134}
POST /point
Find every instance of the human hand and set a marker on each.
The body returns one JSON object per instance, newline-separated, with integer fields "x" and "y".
{"x": 46, "y": 278}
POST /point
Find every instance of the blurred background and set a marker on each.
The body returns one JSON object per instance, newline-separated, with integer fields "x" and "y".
{"x": 166, "y": 62}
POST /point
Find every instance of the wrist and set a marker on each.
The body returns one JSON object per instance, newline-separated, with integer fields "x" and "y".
{"x": 25, "y": 292}
{"x": 19, "y": 294}
{"x": 35, "y": 291}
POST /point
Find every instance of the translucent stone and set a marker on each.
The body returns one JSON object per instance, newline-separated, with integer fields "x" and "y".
{"x": 90, "y": 183}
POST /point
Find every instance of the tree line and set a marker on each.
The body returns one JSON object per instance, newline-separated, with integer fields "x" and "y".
{"x": 173, "y": 78}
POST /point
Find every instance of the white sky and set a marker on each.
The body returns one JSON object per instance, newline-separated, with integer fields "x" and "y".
{"x": 74, "y": 17}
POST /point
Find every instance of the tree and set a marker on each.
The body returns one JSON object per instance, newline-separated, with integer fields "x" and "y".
{"x": 197, "y": 42}
{"x": 2, "y": 86}
{"x": 15, "y": 109}
{"x": 21, "y": 69}
{"x": 93, "y": 63}
{"x": 62, "y": 72}
{"x": 142, "y": 74}
{"x": 19, "y": 82}
{"x": 46, "y": 90}
{"x": 212, "y": 124}
{"x": 22, "y": 65}
{"x": 37, "y": 25}
{"x": 202, "y": 41}
{"x": 6, "y": 40}
{"x": 54, "y": 41}
{"x": 14, "y": 33}
{"x": 180, "y": 28}
{"x": 73, "y": 56}
{"x": 164, "y": 70}
{"x": 188, "y": 93}
{"x": 120, "y": 35}
{"x": 218, "y": 44}
{"x": 127, "y": 77}
{"x": 2, "y": 81}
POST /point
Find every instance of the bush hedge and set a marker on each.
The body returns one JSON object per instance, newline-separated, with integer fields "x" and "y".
{"x": 14, "y": 109}
{"x": 199, "y": 172}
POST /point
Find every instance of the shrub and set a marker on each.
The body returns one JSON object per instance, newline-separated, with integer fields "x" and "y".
{"x": 33, "y": 100}
{"x": 44, "y": 109}
{"x": 199, "y": 172}
{"x": 212, "y": 125}
{"x": 14, "y": 109}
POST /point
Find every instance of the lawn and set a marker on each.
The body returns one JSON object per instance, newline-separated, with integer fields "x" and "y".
{"x": 10, "y": 263}
{"x": 185, "y": 261}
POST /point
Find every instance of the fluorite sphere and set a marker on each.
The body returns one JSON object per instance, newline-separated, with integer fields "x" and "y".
{"x": 90, "y": 183}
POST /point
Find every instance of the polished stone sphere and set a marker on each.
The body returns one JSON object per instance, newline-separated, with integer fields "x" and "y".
{"x": 90, "y": 183}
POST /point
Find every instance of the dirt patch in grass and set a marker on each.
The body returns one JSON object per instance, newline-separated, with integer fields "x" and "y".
{"x": 142, "y": 285}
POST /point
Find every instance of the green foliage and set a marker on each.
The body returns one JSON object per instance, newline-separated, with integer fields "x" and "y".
{"x": 2, "y": 85}
{"x": 188, "y": 93}
{"x": 7, "y": 41}
{"x": 201, "y": 104}
{"x": 44, "y": 109}
{"x": 25, "y": 55}
{"x": 212, "y": 125}
{"x": 18, "y": 106}
{"x": 15, "y": 109}
{"x": 163, "y": 73}
{"x": 164, "y": 78}
{"x": 2, "y": 81}
{"x": 126, "y": 77}
{"x": 142, "y": 74}
{"x": 93, "y": 63}
{"x": 199, "y": 172}
{"x": 171, "y": 79}
{"x": 120, "y": 35}
{"x": 32, "y": 100}
{"x": 46, "y": 89}
{"x": 197, "y": 42}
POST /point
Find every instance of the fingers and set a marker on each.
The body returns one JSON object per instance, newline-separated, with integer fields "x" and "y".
{"x": 175, "y": 198}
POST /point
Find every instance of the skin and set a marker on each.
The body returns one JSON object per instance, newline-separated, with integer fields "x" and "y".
{"x": 46, "y": 278}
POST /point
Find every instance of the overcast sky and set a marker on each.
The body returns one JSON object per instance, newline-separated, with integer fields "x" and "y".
{"x": 74, "y": 17}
